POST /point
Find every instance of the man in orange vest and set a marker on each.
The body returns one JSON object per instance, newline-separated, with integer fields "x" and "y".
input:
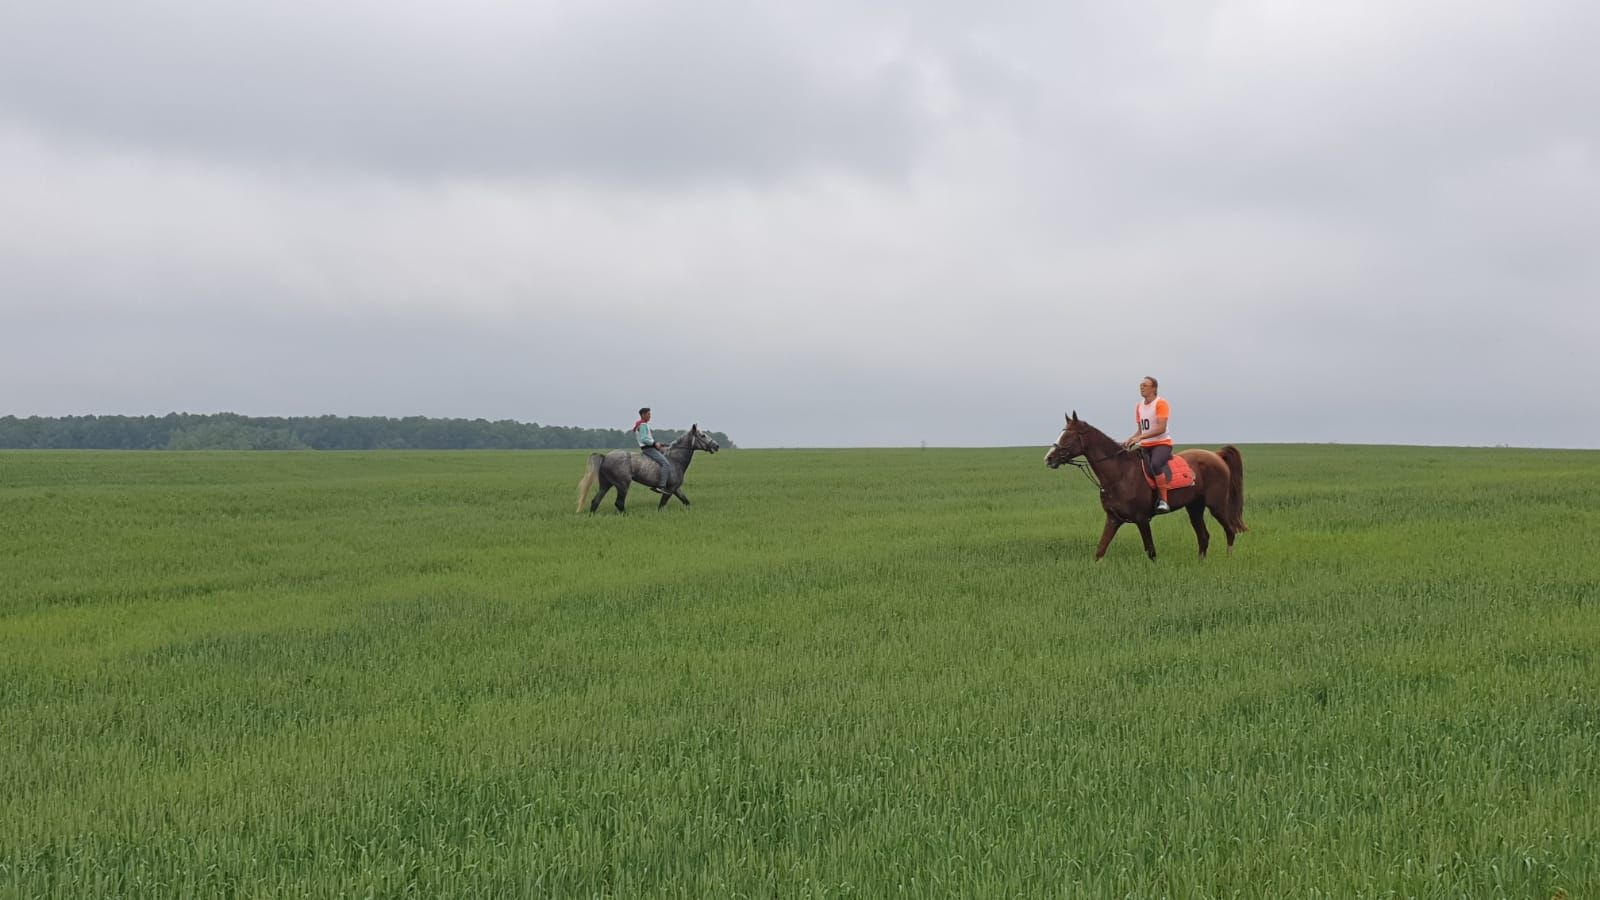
{"x": 1152, "y": 437}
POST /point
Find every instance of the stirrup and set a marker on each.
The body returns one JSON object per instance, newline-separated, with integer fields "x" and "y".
{"x": 1161, "y": 506}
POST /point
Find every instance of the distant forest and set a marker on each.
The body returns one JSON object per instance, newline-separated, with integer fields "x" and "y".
{"x": 227, "y": 431}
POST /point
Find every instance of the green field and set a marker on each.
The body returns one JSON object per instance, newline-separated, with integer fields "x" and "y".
{"x": 862, "y": 672}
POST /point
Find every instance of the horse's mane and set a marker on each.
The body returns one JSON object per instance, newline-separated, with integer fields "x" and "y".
{"x": 1092, "y": 433}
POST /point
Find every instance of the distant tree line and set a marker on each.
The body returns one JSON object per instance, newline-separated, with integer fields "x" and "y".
{"x": 229, "y": 431}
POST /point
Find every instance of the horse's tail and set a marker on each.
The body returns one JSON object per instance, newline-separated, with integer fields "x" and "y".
{"x": 1230, "y": 455}
{"x": 588, "y": 480}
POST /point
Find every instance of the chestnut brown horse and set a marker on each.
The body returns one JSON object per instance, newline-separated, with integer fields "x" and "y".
{"x": 1128, "y": 497}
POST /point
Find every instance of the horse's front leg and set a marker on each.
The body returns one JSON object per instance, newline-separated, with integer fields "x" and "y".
{"x": 1197, "y": 517}
{"x": 665, "y": 498}
{"x": 1112, "y": 524}
{"x": 1149, "y": 539}
{"x": 680, "y": 495}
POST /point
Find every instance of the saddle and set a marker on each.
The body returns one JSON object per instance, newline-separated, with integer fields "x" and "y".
{"x": 1182, "y": 472}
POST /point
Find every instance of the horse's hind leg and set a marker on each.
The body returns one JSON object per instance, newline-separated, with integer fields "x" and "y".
{"x": 1219, "y": 511}
{"x": 1197, "y": 518}
{"x": 605, "y": 485}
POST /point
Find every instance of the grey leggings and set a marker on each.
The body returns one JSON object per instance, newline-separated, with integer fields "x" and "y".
{"x": 1158, "y": 457}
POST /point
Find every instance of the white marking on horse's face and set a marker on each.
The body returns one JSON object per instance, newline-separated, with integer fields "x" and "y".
{"x": 1058, "y": 448}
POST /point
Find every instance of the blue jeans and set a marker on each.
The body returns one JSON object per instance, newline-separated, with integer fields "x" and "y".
{"x": 660, "y": 460}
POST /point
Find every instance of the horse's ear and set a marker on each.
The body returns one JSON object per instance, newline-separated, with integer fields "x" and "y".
{"x": 695, "y": 428}
{"x": 1074, "y": 415}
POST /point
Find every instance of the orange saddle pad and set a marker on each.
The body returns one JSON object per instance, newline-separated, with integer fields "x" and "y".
{"x": 1182, "y": 474}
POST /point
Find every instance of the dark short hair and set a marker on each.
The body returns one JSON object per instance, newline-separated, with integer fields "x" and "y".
{"x": 1150, "y": 378}
{"x": 643, "y": 410}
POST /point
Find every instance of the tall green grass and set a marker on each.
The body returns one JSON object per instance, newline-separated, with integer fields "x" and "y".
{"x": 863, "y": 672}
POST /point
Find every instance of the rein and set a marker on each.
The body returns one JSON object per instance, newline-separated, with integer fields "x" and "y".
{"x": 692, "y": 447}
{"x": 1088, "y": 472}
{"x": 1085, "y": 465}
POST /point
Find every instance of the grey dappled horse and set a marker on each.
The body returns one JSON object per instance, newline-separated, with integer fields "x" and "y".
{"x": 619, "y": 468}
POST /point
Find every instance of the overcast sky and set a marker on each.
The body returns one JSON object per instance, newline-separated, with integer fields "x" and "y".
{"x": 810, "y": 224}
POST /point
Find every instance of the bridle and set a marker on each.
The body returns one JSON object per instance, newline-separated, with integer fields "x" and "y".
{"x": 1085, "y": 464}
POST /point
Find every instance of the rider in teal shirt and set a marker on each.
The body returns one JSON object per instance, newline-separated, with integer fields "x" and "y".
{"x": 650, "y": 448}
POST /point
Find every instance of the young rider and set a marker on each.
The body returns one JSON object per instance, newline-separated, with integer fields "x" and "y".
{"x": 651, "y": 448}
{"x": 1153, "y": 438}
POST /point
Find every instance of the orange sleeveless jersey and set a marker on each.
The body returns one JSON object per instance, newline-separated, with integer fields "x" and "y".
{"x": 1146, "y": 414}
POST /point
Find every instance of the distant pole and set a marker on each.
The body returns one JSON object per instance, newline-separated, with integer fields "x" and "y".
{"x": 924, "y": 445}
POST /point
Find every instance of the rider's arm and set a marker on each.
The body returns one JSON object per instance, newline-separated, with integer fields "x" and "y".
{"x": 1162, "y": 411}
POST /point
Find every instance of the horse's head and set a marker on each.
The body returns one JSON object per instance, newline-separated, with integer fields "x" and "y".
{"x": 1070, "y": 444}
{"x": 695, "y": 439}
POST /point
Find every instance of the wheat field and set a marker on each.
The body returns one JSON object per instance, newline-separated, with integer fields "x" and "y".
{"x": 841, "y": 672}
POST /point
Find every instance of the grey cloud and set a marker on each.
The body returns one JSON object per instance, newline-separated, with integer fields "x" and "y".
{"x": 859, "y": 225}
{"x": 638, "y": 92}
